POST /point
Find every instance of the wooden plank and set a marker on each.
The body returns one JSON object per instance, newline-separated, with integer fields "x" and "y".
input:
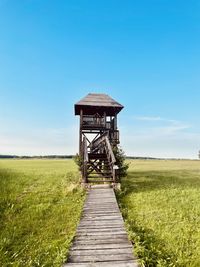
{"x": 104, "y": 264}
{"x": 94, "y": 220}
{"x": 101, "y": 239}
{"x": 101, "y": 217}
{"x": 106, "y": 200}
{"x": 97, "y": 206}
{"x": 82, "y": 241}
{"x": 103, "y": 251}
{"x": 100, "y": 223}
{"x": 100, "y": 209}
{"x": 96, "y": 258}
{"x": 105, "y": 212}
{"x": 112, "y": 207}
{"x": 93, "y": 197}
{"x": 102, "y": 228}
{"x": 84, "y": 246}
{"x": 105, "y": 217}
{"x": 101, "y": 233}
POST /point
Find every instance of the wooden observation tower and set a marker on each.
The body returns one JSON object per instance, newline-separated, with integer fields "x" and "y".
{"x": 99, "y": 135}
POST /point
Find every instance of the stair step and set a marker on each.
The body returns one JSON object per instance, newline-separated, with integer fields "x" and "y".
{"x": 105, "y": 162}
{"x": 101, "y": 173}
{"x": 97, "y": 156}
{"x": 99, "y": 178}
{"x": 101, "y": 181}
{"x": 107, "y": 176}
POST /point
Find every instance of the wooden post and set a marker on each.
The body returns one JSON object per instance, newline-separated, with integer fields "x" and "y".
{"x": 104, "y": 115}
{"x": 85, "y": 159}
{"x": 115, "y": 122}
{"x": 80, "y": 133}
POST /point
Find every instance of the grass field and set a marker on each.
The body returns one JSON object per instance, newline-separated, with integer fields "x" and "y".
{"x": 160, "y": 201}
{"x": 40, "y": 205}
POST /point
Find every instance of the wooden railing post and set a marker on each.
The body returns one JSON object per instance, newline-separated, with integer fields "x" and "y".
{"x": 85, "y": 160}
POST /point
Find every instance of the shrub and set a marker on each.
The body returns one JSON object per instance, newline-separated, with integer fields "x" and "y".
{"x": 78, "y": 160}
{"x": 120, "y": 161}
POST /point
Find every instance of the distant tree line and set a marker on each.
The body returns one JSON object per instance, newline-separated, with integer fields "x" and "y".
{"x": 73, "y": 156}
{"x": 36, "y": 157}
{"x": 135, "y": 157}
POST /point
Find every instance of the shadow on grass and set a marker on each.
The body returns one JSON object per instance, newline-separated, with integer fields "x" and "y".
{"x": 151, "y": 250}
{"x": 154, "y": 180}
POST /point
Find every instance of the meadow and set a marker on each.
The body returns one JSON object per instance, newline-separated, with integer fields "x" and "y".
{"x": 160, "y": 204}
{"x": 41, "y": 203}
{"x": 40, "y": 206}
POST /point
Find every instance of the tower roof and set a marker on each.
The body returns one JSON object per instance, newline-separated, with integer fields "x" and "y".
{"x": 98, "y": 103}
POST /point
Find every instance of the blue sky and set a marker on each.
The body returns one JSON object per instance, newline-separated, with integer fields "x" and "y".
{"x": 145, "y": 54}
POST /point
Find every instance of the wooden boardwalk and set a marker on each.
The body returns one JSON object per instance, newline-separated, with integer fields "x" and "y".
{"x": 101, "y": 239}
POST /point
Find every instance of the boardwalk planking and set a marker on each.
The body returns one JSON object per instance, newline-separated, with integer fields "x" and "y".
{"x": 101, "y": 239}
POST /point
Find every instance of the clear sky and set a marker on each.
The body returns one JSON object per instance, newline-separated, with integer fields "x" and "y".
{"x": 143, "y": 53}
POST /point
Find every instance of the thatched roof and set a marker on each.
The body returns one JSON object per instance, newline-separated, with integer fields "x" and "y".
{"x": 98, "y": 103}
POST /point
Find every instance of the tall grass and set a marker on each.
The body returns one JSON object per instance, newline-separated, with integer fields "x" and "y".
{"x": 160, "y": 201}
{"x": 40, "y": 205}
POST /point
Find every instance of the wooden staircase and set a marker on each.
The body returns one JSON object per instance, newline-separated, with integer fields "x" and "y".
{"x": 98, "y": 161}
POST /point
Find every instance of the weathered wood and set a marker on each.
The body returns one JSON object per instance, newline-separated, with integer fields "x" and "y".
{"x": 102, "y": 251}
{"x": 94, "y": 218}
{"x": 100, "y": 224}
{"x": 98, "y": 114}
{"x": 82, "y": 241}
{"x": 101, "y": 239}
{"x": 96, "y": 258}
{"x": 94, "y": 211}
{"x": 80, "y": 130}
{"x": 129, "y": 263}
{"x": 100, "y": 233}
{"x": 101, "y": 229}
{"x": 101, "y": 102}
{"x": 100, "y": 246}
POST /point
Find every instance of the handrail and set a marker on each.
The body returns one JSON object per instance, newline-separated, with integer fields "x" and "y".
{"x": 104, "y": 139}
{"x": 97, "y": 121}
{"x": 98, "y": 141}
{"x": 111, "y": 154}
{"x": 111, "y": 157}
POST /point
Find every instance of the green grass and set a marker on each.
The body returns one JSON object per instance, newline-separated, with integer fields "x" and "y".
{"x": 160, "y": 201}
{"x": 40, "y": 205}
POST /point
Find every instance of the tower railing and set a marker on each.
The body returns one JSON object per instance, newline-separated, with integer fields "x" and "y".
{"x": 111, "y": 157}
{"x": 90, "y": 121}
{"x": 93, "y": 121}
{"x": 94, "y": 146}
